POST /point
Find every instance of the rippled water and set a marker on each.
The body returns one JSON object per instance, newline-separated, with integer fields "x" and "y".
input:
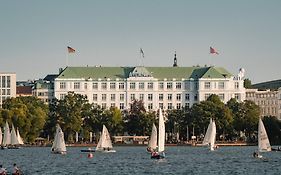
{"x": 135, "y": 160}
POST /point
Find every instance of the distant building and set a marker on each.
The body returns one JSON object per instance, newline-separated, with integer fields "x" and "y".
{"x": 44, "y": 88}
{"x": 7, "y": 86}
{"x": 267, "y": 100}
{"x": 158, "y": 87}
{"x": 273, "y": 85}
{"x": 24, "y": 91}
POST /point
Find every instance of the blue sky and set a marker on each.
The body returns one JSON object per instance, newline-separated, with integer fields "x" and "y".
{"x": 34, "y": 35}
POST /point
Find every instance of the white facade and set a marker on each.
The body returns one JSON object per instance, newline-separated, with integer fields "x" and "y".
{"x": 165, "y": 93}
{"x": 7, "y": 86}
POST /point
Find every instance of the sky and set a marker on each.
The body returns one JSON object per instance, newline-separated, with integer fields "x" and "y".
{"x": 34, "y": 35}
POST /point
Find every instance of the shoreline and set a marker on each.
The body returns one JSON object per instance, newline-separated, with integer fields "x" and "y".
{"x": 168, "y": 144}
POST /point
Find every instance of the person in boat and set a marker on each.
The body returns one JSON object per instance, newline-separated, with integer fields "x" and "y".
{"x": 3, "y": 171}
{"x": 255, "y": 154}
{"x": 154, "y": 153}
{"x": 16, "y": 170}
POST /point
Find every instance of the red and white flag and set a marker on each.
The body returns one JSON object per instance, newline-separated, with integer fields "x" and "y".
{"x": 213, "y": 51}
{"x": 70, "y": 49}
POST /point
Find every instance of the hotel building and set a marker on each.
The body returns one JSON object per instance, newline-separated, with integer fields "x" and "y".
{"x": 158, "y": 87}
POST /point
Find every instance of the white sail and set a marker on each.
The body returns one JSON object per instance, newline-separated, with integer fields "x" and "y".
{"x": 105, "y": 140}
{"x": 7, "y": 135}
{"x": 213, "y": 136}
{"x": 19, "y": 138}
{"x": 14, "y": 138}
{"x": 206, "y": 139}
{"x": 161, "y": 133}
{"x": 263, "y": 140}
{"x": 0, "y": 136}
{"x": 153, "y": 138}
{"x": 59, "y": 144}
{"x": 210, "y": 136}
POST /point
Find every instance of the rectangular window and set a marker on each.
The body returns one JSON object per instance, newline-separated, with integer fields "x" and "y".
{"x": 141, "y": 97}
{"x": 169, "y": 85}
{"x": 236, "y": 85}
{"x": 112, "y": 85}
{"x": 237, "y": 96}
{"x": 121, "y": 106}
{"x": 112, "y": 105}
{"x": 161, "y": 97}
{"x": 8, "y": 81}
{"x": 104, "y": 85}
{"x": 62, "y": 85}
{"x": 122, "y": 97}
{"x": 170, "y": 106}
{"x": 221, "y": 97}
{"x": 95, "y": 97}
{"x": 132, "y": 85}
{"x": 133, "y": 97}
{"x": 85, "y": 86}
{"x": 149, "y": 97}
{"x": 170, "y": 96}
{"x": 3, "y": 91}
{"x": 112, "y": 97}
{"x": 178, "y": 85}
{"x": 207, "y": 85}
{"x": 141, "y": 85}
{"x": 62, "y": 96}
{"x": 221, "y": 85}
{"x": 186, "y": 105}
{"x": 103, "y": 105}
{"x": 195, "y": 97}
{"x": 149, "y": 85}
{"x": 161, "y": 105}
{"x": 95, "y": 85}
{"x": 8, "y": 91}
{"x": 103, "y": 97}
{"x": 150, "y": 106}
{"x": 187, "y": 97}
{"x": 178, "y": 97}
{"x": 3, "y": 81}
{"x": 161, "y": 85}
{"x": 121, "y": 86}
{"x": 77, "y": 85}
{"x": 178, "y": 105}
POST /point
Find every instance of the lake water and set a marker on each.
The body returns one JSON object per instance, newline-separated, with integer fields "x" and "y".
{"x": 135, "y": 160}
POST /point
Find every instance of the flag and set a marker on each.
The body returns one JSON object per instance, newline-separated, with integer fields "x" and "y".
{"x": 213, "y": 51}
{"x": 70, "y": 49}
{"x": 142, "y": 53}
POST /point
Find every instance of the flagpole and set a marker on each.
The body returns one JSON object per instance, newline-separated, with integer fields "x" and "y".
{"x": 66, "y": 61}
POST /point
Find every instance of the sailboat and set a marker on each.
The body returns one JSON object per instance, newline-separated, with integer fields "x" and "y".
{"x": 210, "y": 136}
{"x": 105, "y": 143}
{"x": 58, "y": 146}
{"x": 152, "y": 144}
{"x": 7, "y": 136}
{"x": 19, "y": 138}
{"x": 160, "y": 154}
{"x": 14, "y": 139}
{"x": 263, "y": 141}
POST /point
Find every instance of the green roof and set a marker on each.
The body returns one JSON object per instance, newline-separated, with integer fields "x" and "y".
{"x": 156, "y": 72}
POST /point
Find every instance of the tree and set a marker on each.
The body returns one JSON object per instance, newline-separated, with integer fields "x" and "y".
{"x": 137, "y": 122}
{"x": 69, "y": 114}
{"x": 28, "y": 114}
{"x": 247, "y": 83}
